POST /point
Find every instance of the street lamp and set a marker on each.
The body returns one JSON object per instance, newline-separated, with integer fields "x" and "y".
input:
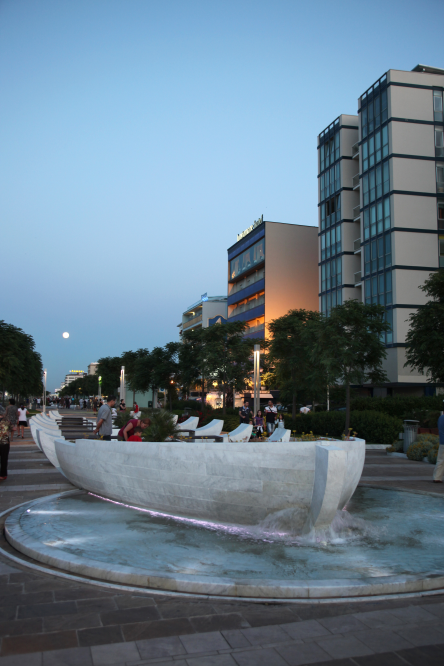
{"x": 44, "y": 391}
{"x": 100, "y": 386}
{"x": 256, "y": 378}
{"x": 122, "y": 383}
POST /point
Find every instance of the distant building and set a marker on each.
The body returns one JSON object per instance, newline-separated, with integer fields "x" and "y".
{"x": 273, "y": 268}
{"x": 73, "y": 375}
{"x": 92, "y": 368}
{"x": 207, "y": 311}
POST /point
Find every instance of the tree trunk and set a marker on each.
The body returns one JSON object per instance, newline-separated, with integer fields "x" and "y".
{"x": 347, "y": 408}
{"x": 293, "y": 410}
{"x": 223, "y": 400}
{"x": 313, "y": 405}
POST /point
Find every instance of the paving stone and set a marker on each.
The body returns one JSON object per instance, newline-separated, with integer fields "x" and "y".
{"x": 168, "y": 646}
{"x": 264, "y": 657}
{"x": 29, "y": 599}
{"x": 8, "y": 613}
{"x": 116, "y": 653}
{"x": 7, "y": 569}
{"x": 431, "y": 655}
{"x": 305, "y": 629}
{"x": 424, "y": 634}
{"x": 435, "y": 609}
{"x": 413, "y": 615}
{"x": 157, "y": 629}
{"x": 386, "y": 659}
{"x": 44, "y": 585}
{"x": 128, "y": 601}
{"x": 130, "y": 616}
{"x": 218, "y": 622}
{"x": 75, "y": 621}
{"x": 379, "y": 640}
{"x": 265, "y": 635}
{"x": 342, "y": 624}
{"x": 75, "y": 594}
{"x": 20, "y": 627}
{"x": 342, "y": 647}
{"x": 235, "y": 638}
{"x": 8, "y": 590}
{"x": 38, "y": 642}
{"x": 265, "y": 616}
{"x": 204, "y": 642}
{"x": 214, "y": 660}
{"x": 378, "y": 618}
{"x": 34, "y": 659}
{"x": 172, "y": 609}
{"x": 43, "y": 610}
{"x": 303, "y": 653}
{"x": 96, "y": 605}
{"x": 99, "y": 636}
{"x": 69, "y": 657}
{"x": 23, "y": 577}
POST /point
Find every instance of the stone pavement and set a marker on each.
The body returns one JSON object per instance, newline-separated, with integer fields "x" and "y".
{"x": 52, "y": 621}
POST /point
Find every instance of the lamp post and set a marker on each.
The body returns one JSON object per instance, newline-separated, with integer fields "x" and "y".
{"x": 44, "y": 391}
{"x": 100, "y": 386}
{"x": 256, "y": 378}
{"x": 122, "y": 383}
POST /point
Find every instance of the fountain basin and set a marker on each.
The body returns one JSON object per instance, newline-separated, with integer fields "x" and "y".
{"x": 232, "y": 482}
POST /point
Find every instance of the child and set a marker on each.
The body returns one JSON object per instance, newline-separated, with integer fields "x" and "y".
{"x": 259, "y": 423}
{"x": 136, "y": 436}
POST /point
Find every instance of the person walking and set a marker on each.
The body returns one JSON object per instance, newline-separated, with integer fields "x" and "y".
{"x": 104, "y": 426}
{"x": 438, "y": 472}
{"x": 270, "y": 417}
{"x": 22, "y": 413}
{"x": 5, "y": 432}
{"x": 38, "y": 403}
{"x": 244, "y": 413}
{"x": 11, "y": 415}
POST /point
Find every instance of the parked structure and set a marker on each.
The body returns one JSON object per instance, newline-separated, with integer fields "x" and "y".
{"x": 272, "y": 268}
{"x": 381, "y": 205}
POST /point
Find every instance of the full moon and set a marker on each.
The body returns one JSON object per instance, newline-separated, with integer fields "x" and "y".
{"x": 66, "y": 335}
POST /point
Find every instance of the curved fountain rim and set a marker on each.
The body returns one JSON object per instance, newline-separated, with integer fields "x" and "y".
{"x": 225, "y": 588}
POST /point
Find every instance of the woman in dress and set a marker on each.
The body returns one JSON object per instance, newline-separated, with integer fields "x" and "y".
{"x": 22, "y": 420}
{"x": 11, "y": 415}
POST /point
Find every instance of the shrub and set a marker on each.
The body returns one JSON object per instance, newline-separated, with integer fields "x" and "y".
{"x": 396, "y": 447}
{"x": 432, "y": 454}
{"x": 376, "y": 427}
{"x": 402, "y": 407}
{"x": 428, "y": 440}
{"x": 162, "y": 427}
{"x": 416, "y": 452}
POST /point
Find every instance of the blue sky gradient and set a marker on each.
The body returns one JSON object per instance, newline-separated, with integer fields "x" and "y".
{"x": 138, "y": 138}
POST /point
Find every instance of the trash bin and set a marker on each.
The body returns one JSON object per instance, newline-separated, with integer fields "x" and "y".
{"x": 410, "y": 433}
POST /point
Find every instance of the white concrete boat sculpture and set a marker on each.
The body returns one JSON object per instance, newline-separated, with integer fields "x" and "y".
{"x": 240, "y": 482}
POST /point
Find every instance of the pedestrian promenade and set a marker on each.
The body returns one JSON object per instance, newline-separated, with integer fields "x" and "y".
{"x": 47, "y": 620}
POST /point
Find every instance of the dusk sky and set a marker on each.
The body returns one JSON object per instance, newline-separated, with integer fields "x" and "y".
{"x": 139, "y": 137}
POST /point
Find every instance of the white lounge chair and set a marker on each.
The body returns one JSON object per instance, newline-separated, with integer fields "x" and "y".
{"x": 189, "y": 424}
{"x": 241, "y": 434}
{"x": 280, "y": 435}
{"x": 213, "y": 428}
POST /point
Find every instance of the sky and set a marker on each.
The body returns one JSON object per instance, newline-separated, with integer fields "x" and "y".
{"x": 138, "y": 137}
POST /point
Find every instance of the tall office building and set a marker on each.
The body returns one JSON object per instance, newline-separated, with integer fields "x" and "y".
{"x": 381, "y": 205}
{"x": 271, "y": 270}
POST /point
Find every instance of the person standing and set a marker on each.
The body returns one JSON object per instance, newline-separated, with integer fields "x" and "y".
{"x": 438, "y": 472}
{"x": 22, "y": 413}
{"x": 244, "y": 413}
{"x": 38, "y": 403}
{"x": 104, "y": 425}
{"x": 5, "y": 431}
{"x": 11, "y": 415}
{"x": 122, "y": 406}
{"x": 259, "y": 423}
{"x": 270, "y": 417}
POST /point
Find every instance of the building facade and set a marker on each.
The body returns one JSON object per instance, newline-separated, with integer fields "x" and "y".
{"x": 92, "y": 368}
{"x": 381, "y": 205}
{"x": 205, "y": 312}
{"x": 272, "y": 268}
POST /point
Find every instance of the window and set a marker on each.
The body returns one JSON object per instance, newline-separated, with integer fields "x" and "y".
{"x": 323, "y": 277}
{"x": 389, "y": 320}
{"x": 388, "y": 250}
{"x": 385, "y": 141}
{"x": 440, "y": 178}
{"x": 322, "y": 247}
{"x": 440, "y": 214}
{"x": 441, "y": 251}
{"x": 366, "y": 224}
{"x": 439, "y": 144}
{"x": 437, "y": 106}
{"x": 338, "y": 240}
{"x": 371, "y": 185}
{"x": 248, "y": 259}
{"x": 367, "y": 269}
{"x": 339, "y": 270}
{"x": 374, "y": 107}
{"x": 372, "y": 220}
{"x": 374, "y": 256}
{"x": 322, "y": 217}
{"x": 386, "y": 213}
{"x": 388, "y": 287}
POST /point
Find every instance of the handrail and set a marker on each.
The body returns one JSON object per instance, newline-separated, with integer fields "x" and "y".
{"x": 358, "y": 277}
{"x": 356, "y": 183}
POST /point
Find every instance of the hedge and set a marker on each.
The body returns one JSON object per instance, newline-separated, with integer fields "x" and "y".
{"x": 375, "y": 427}
{"x": 401, "y": 407}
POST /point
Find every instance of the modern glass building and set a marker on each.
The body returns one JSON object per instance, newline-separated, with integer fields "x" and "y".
{"x": 272, "y": 268}
{"x": 381, "y": 205}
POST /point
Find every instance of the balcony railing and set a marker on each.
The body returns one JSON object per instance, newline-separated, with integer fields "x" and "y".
{"x": 358, "y": 278}
{"x": 248, "y": 306}
{"x": 355, "y": 150}
{"x": 356, "y": 183}
{"x": 357, "y": 245}
{"x": 192, "y": 322}
{"x": 356, "y": 213}
{"x": 253, "y": 329}
{"x": 246, "y": 282}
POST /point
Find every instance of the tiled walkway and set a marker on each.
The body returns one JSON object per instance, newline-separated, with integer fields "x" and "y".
{"x": 47, "y": 620}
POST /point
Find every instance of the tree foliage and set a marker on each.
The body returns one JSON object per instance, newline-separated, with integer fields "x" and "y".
{"x": 425, "y": 349}
{"x": 109, "y": 369}
{"x": 21, "y": 366}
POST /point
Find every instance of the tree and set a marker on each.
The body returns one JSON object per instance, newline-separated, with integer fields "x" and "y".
{"x": 164, "y": 368}
{"x": 349, "y": 344}
{"x": 83, "y": 386}
{"x": 130, "y": 360}
{"x": 229, "y": 358}
{"x": 295, "y": 368}
{"x": 109, "y": 369}
{"x": 193, "y": 360}
{"x": 425, "y": 352}
{"x": 21, "y": 366}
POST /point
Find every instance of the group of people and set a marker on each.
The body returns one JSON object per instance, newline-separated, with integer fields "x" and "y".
{"x": 131, "y": 432}
{"x": 260, "y": 421}
{"x": 14, "y": 420}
